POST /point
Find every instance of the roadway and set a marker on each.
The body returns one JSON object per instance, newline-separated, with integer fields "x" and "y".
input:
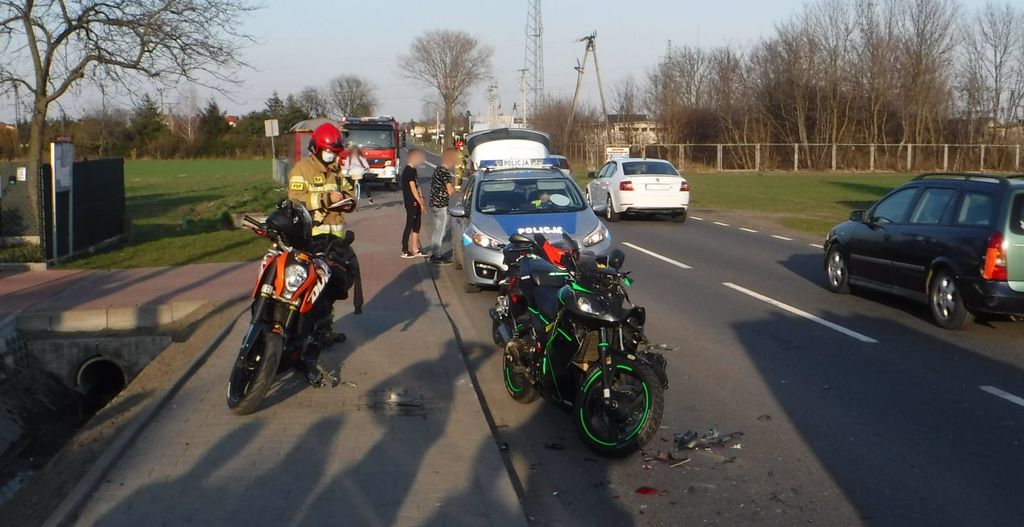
{"x": 854, "y": 409}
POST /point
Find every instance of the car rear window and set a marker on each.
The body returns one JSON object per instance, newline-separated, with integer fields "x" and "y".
{"x": 1017, "y": 214}
{"x": 976, "y": 209}
{"x": 932, "y": 205}
{"x": 654, "y": 168}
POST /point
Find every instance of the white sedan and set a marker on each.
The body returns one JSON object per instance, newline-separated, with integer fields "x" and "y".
{"x": 639, "y": 186}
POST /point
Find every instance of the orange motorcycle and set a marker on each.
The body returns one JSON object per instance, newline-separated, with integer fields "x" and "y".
{"x": 291, "y": 316}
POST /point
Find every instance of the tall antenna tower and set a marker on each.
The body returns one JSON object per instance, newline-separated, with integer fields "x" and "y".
{"x": 534, "y": 57}
{"x": 493, "y": 104}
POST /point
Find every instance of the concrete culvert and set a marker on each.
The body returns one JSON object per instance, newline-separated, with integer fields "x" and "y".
{"x": 100, "y": 379}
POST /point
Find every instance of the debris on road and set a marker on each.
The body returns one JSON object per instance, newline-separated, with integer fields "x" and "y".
{"x": 712, "y": 438}
{"x": 764, "y": 417}
{"x": 649, "y": 491}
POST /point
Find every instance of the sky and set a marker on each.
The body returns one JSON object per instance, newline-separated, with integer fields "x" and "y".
{"x": 307, "y": 42}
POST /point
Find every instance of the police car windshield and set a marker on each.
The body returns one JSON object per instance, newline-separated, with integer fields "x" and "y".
{"x": 528, "y": 196}
{"x": 371, "y": 137}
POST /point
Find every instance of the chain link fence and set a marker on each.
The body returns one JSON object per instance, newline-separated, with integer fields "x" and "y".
{"x": 817, "y": 157}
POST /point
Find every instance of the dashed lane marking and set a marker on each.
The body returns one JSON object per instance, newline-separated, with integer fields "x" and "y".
{"x": 801, "y": 313}
{"x": 777, "y": 237}
{"x": 816, "y": 245}
{"x": 676, "y": 263}
{"x": 722, "y": 224}
{"x": 698, "y": 218}
{"x": 744, "y": 229}
{"x": 1003, "y": 394}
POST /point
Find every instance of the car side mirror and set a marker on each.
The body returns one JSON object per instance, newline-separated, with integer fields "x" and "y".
{"x": 600, "y": 208}
{"x": 858, "y": 216}
{"x": 457, "y": 210}
{"x": 592, "y": 175}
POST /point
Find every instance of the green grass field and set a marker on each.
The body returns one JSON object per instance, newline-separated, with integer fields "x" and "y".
{"x": 808, "y": 202}
{"x": 179, "y": 213}
{"x": 179, "y": 209}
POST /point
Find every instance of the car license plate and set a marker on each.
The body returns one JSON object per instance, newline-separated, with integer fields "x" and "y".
{"x": 658, "y": 187}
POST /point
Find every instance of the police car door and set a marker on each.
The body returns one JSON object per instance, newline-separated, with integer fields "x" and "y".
{"x": 458, "y": 224}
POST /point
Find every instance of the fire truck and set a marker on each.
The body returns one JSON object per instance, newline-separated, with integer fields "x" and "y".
{"x": 378, "y": 138}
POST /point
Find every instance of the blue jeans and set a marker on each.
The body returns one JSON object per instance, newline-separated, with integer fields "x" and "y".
{"x": 439, "y": 215}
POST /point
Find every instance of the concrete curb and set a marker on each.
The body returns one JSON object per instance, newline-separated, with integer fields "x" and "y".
{"x": 65, "y": 513}
{"x": 114, "y": 318}
{"x": 27, "y": 266}
{"x": 517, "y": 487}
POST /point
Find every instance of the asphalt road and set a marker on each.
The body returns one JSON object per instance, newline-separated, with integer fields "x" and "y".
{"x": 854, "y": 409}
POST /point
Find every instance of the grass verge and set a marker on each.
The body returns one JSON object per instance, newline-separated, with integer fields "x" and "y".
{"x": 810, "y": 202}
{"x": 179, "y": 213}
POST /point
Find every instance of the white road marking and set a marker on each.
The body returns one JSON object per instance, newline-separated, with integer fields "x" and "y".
{"x": 429, "y": 164}
{"x": 816, "y": 245}
{"x": 1003, "y": 395}
{"x": 722, "y": 224}
{"x": 698, "y": 218}
{"x": 744, "y": 229}
{"x": 678, "y": 264}
{"x": 801, "y": 313}
{"x": 777, "y": 237}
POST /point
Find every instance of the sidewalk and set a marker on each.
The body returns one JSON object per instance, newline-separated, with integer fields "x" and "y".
{"x": 72, "y": 300}
{"x": 342, "y": 456}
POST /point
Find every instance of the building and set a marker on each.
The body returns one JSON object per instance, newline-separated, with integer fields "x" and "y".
{"x": 633, "y": 129}
{"x": 232, "y": 120}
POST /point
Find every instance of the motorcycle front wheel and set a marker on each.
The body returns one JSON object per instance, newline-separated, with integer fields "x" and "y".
{"x": 254, "y": 371}
{"x": 630, "y": 418}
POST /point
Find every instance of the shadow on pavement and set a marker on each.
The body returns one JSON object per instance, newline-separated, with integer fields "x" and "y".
{"x": 905, "y": 447}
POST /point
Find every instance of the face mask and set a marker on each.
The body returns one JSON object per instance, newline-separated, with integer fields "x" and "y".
{"x": 327, "y": 156}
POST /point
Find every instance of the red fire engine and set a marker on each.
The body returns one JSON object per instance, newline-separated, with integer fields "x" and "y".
{"x": 378, "y": 138}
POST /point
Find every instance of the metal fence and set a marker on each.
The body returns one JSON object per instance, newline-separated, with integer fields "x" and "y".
{"x": 817, "y": 157}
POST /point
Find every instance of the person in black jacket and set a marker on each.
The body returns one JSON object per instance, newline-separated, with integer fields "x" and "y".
{"x": 414, "y": 204}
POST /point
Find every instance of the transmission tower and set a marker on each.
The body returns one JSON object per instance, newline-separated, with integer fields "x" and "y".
{"x": 534, "y": 57}
{"x": 493, "y": 104}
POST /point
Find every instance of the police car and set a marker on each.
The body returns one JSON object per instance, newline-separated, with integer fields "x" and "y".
{"x": 499, "y": 201}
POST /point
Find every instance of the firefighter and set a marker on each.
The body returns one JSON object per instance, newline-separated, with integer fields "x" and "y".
{"x": 316, "y": 183}
{"x": 460, "y": 168}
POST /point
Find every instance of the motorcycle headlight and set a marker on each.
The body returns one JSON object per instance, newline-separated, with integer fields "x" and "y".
{"x": 485, "y": 241}
{"x": 597, "y": 236}
{"x": 587, "y": 305}
{"x": 294, "y": 276}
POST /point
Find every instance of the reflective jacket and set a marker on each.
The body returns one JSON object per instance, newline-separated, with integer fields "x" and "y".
{"x": 310, "y": 183}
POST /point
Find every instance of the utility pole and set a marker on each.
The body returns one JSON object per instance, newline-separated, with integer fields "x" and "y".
{"x": 591, "y": 49}
{"x": 534, "y": 62}
{"x": 493, "y": 103}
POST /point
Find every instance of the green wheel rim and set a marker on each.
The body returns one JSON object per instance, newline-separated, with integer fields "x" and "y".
{"x": 508, "y": 381}
{"x": 640, "y": 424}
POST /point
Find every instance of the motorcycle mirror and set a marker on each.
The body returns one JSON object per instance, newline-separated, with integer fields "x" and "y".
{"x": 616, "y": 258}
{"x": 518, "y": 238}
{"x": 571, "y": 243}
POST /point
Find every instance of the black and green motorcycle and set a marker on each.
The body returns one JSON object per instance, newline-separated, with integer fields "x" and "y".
{"x": 569, "y": 333}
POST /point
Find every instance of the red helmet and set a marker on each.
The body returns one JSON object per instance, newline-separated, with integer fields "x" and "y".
{"x": 327, "y": 137}
{"x": 459, "y": 144}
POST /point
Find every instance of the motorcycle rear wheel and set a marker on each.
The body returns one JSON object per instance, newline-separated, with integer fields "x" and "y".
{"x": 247, "y": 385}
{"x": 638, "y": 400}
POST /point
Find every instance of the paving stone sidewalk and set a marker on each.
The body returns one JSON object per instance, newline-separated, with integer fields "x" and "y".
{"x": 341, "y": 456}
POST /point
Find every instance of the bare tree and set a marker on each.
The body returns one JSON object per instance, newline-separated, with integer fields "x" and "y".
{"x": 48, "y": 47}
{"x": 314, "y": 102}
{"x": 185, "y": 119}
{"x": 449, "y": 61}
{"x": 626, "y": 103}
{"x": 353, "y": 96}
{"x": 994, "y": 60}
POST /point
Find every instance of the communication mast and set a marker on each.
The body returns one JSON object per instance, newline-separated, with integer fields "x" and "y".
{"x": 534, "y": 57}
{"x": 493, "y": 104}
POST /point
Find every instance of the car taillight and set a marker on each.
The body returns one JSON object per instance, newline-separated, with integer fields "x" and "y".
{"x": 684, "y": 187}
{"x": 626, "y": 185}
{"x": 995, "y": 258}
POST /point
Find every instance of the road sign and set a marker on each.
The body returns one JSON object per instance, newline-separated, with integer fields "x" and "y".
{"x": 615, "y": 152}
{"x": 270, "y": 128}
